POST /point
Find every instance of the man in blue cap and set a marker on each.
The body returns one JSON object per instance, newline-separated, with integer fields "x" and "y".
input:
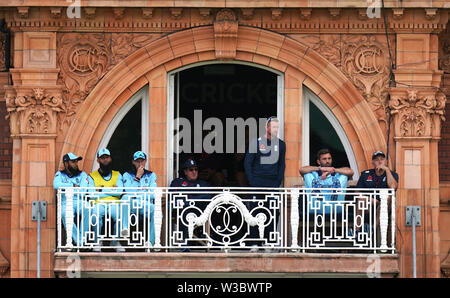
{"x": 141, "y": 205}
{"x": 71, "y": 176}
{"x": 105, "y": 176}
{"x": 190, "y": 179}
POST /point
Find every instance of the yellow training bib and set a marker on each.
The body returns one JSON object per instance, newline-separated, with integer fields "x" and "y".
{"x": 99, "y": 181}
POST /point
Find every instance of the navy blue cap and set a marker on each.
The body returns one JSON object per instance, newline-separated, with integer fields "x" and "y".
{"x": 378, "y": 153}
{"x": 190, "y": 163}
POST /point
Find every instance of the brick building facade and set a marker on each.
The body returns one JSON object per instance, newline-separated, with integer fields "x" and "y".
{"x": 73, "y": 68}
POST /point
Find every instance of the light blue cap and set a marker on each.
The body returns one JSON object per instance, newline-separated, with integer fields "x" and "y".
{"x": 139, "y": 154}
{"x": 71, "y": 156}
{"x": 103, "y": 151}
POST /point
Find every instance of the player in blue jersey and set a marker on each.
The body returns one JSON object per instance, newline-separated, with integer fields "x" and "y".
{"x": 71, "y": 176}
{"x": 141, "y": 205}
{"x": 324, "y": 176}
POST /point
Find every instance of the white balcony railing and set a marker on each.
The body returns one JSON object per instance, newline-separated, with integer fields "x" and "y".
{"x": 227, "y": 219}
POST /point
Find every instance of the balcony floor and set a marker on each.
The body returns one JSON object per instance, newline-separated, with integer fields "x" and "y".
{"x": 219, "y": 264}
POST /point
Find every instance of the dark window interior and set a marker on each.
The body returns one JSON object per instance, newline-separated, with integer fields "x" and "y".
{"x": 322, "y": 135}
{"x": 126, "y": 139}
{"x": 224, "y": 91}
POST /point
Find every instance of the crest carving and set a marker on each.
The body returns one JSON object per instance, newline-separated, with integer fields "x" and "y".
{"x": 366, "y": 63}
{"x": 83, "y": 60}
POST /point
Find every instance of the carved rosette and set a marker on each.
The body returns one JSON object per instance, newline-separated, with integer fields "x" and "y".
{"x": 417, "y": 112}
{"x": 225, "y": 34}
{"x": 33, "y": 110}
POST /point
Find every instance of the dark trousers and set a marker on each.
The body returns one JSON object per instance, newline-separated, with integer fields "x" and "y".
{"x": 254, "y": 231}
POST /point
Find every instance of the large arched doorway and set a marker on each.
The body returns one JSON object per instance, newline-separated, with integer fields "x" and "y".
{"x": 222, "y": 105}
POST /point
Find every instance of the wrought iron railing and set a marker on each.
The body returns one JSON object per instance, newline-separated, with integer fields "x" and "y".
{"x": 226, "y": 219}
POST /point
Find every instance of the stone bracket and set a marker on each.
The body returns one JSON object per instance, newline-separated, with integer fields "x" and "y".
{"x": 225, "y": 34}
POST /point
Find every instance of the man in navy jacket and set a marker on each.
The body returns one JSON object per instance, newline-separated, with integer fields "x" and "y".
{"x": 264, "y": 166}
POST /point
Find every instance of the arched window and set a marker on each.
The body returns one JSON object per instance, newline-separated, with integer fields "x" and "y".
{"x": 128, "y": 131}
{"x": 321, "y": 129}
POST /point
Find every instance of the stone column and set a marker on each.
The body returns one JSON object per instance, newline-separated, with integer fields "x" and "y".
{"x": 417, "y": 110}
{"x": 33, "y": 102}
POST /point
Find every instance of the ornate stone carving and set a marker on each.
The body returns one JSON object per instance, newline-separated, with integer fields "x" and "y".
{"x": 205, "y": 12}
{"x": 23, "y": 11}
{"x": 328, "y": 46}
{"x": 83, "y": 59}
{"x": 430, "y": 13}
{"x": 397, "y": 13}
{"x": 33, "y": 110}
{"x": 176, "y": 13}
{"x": 276, "y": 13}
{"x": 365, "y": 61}
{"x": 89, "y": 12}
{"x": 147, "y": 12}
{"x": 225, "y": 34}
{"x": 55, "y": 12}
{"x": 335, "y": 13}
{"x": 119, "y": 12}
{"x": 123, "y": 44}
{"x": 305, "y": 13}
{"x": 417, "y": 112}
{"x": 247, "y": 13}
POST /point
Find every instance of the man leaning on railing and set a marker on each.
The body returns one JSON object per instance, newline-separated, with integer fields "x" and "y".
{"x": 140, "y": 204}
{"x": 324, "y": 175}
{"x": 106, "y": 177}
{"x": 71, "y": 176}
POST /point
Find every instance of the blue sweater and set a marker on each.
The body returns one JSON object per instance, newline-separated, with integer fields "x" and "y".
{"x": 264, "y": 161}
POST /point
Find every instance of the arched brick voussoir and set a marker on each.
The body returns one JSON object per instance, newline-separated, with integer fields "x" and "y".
{"x": 259, "y": 45}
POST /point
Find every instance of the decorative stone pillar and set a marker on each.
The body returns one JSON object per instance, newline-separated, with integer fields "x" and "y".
{"x": 33, "y": 102}
{"x": 417, "y": 110}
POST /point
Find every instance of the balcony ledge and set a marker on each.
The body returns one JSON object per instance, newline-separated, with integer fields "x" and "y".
{"x": 225, "y": 264}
